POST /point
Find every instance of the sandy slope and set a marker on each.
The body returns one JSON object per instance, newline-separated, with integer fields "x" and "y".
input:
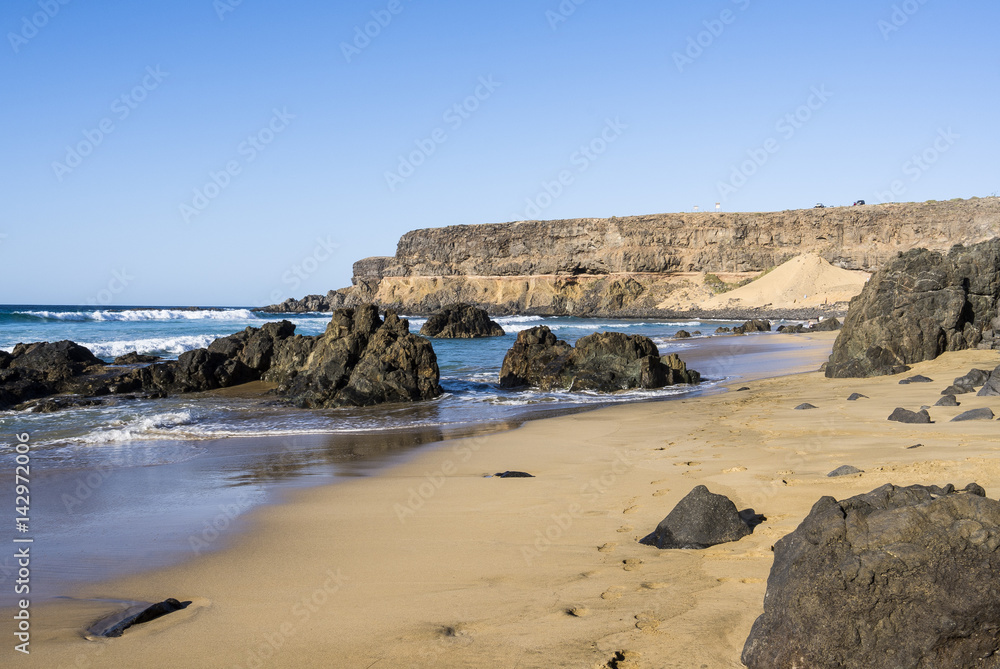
{"x": 804, "y": 281}
{"x": 433, "y": 565}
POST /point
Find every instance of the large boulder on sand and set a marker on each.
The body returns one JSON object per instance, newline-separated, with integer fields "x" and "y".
{"x": 604, "y": 361}
{"x": 754, "y": 325}
{"x": 461, "y": 321}
{"x": 898, "y": 578}
{"x": 702, "y": 519}
{"x": 920, "y": 305}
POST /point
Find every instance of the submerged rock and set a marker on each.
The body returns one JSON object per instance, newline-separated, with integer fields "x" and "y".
{"x": 461, "y": 321}
{"x": 604, "y": 361}
{"x": 898, "y": 578}
{"x": 702, "y": 519}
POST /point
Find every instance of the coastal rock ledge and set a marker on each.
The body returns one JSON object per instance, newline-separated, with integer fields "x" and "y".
{"x": 603, "y": 361}
{"x": 360, "y": 360}
{"x": 897, "y": 578}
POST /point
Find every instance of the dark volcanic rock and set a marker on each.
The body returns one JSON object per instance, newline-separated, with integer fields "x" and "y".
{"x": 461, "y": 321}
{"x": 792, "y": 329}
{"x": 754, "y": 325}
{"x": 845, "y": 470}
{"x": 856, "y": 396}
{"x": 991, "y": 386}
{"x": 604, "y": 361}
{"x": 514, "y": 475}
{"x": 804, "y": 406}
{"x": 973, "y": 379}
{"x": 115, "y": 625}
{"x": 682, "y": 334}
{"x": 134, "y": 358}
{"x": 723, "y": 330}
{"x": 702, "y": 519}
{"x": 827, "y": 325}
{"x": 947, "y": 401}
{"x": 898, "y": 578}
{"x": 916, "y": 379}
{"x": 359, "y": 361}
{"x": 957, "y": 390}
{"x": 984, "y": 413}
{"x": 901, "y": 415}
{"x": 920, "y": 305}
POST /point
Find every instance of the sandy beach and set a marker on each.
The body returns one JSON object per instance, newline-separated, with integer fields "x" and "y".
{"x": 432, "y": 564}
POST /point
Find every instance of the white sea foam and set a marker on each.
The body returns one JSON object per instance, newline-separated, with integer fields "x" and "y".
{"x": 151, "y": 346}
{"x": 145, "y": 315}
{"x": 147, "y": 427}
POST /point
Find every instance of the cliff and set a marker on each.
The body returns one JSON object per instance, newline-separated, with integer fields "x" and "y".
{"x": 643, "y": 265}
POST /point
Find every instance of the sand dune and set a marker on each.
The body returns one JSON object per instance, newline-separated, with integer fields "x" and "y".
{"x": 805, "y": 281}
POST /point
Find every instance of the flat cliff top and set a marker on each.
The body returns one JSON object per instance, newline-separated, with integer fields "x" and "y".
{"x": 857, "y": 238}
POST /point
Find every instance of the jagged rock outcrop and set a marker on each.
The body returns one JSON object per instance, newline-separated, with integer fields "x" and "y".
{"x": 461, "y": 321}
{"x": 360, "y": 360}
{"x": 604, "y": 361}
{"x": 700, "y": 520}
{"x": 919, "y": 306}
{"x": 898, "y": 578}
{"x": 753, "y": 325}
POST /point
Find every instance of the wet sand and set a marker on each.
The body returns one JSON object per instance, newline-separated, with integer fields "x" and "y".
{"x": 430, "y": 563}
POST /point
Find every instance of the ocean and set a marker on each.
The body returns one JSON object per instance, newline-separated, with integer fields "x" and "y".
{"x": 138, "y": 484}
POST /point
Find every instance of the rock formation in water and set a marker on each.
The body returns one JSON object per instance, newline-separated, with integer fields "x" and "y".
{"x": 920, "y": 305}
{"x": 641, "y": 266}
{"x": 898, "y": 578}
{"x": 603, "y": 361}
{"x": 461, "y": 321}
{"x": 360, "y": 360}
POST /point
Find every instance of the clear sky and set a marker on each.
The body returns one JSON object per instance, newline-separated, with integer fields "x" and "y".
{"x": 239, "y": 152}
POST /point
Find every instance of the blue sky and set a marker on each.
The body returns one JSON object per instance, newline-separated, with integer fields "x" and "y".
{"x": 199, "y": 152}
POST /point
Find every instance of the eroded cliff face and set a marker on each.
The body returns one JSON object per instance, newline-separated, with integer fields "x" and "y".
{"x": 861, "y": 237}
{"x": 642, "y": 265}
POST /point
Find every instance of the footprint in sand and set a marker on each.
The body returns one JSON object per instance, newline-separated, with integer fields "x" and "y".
{"x": 608, "y": 547}
{"x": 612, "y": 593}
{"x": 655, "y": 585}
{"x": 659, "y": 482}
{"x": 646, "y": 622}
{"x": 625, "y": 528}
{"x": 578, "y": 611}
{"x": 734, "y": 470}
{"x": 632, "y": 564}
{"x": 691, "y": 463}
{"x": 661, "y": 493}
{"x": 632, "y": 509}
